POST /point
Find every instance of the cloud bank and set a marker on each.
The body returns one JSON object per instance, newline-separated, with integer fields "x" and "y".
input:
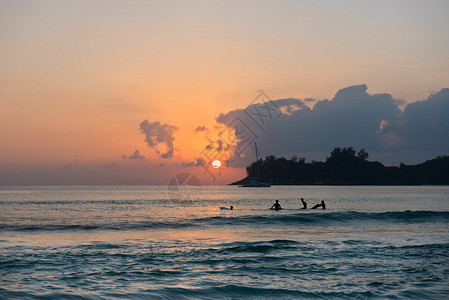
{"x": 352, "y": 117}
{"x": 135, "y": 155}
{"x": 197, "y": 163}
{"x": 156, "y": 134}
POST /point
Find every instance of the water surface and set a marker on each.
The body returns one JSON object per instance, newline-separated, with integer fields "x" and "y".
{"x": 110, "y": 242}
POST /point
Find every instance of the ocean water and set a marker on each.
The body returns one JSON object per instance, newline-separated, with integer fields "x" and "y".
{"x": 150, "y": 242}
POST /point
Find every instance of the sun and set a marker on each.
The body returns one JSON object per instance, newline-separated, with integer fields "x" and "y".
{"x": 216, "y": 164}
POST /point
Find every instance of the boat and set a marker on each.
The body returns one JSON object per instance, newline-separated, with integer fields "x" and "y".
{"x": 254, "y": 182}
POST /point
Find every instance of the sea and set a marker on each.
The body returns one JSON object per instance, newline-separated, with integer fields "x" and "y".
{"x": 165, "y": 242}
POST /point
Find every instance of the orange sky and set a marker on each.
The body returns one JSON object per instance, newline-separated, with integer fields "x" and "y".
{"x": 78, "y": 77}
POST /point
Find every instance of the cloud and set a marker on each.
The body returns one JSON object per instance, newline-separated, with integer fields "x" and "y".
{"x": 135, "y": 155}
{"x": 352, "y": 117}
{"x": 425, "y": 124}
{"x": 200, "y": 128}
{"x": 157, "y": 133}
{"x": 199, "y": 162}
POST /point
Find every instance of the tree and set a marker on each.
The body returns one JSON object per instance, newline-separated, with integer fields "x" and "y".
{"x": 362, "y": 154}
{"x": 336, "y": 152}
{"x": 345, "y": 167}
{"x": 296, "y": 159}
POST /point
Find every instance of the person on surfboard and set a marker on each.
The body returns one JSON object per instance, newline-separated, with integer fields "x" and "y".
{"x": 276, "y": 206}
{"x": 225, "y": 208}
{"x": 322, "y": 205}
{"x": 304, "y": 204}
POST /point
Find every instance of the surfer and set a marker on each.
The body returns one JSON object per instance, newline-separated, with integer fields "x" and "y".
{"x": 304, "y": 204}
{"x": 276, "y": 206}
{"x": 225, "y": 208}
{"x": 322, "y": 205}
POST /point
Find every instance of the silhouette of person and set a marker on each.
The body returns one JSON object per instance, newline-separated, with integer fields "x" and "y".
{"x": 322, "y": 205}
{"x": 276, "y": 206}
{"x": 304, "y": 204}
{"x": 225, "y": 208}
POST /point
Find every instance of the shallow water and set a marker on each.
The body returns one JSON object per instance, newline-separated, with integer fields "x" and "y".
{"x": 115, "y": 242}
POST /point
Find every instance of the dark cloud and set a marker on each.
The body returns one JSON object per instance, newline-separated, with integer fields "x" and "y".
{"x": 249, "y": 124}
{"x": 352, "y": 118}
{"x": 135, "y": 155}
{"x": 157, "y": 133}
{"x": 220, "y": 145}
{"x": 425, "y": 124}
{"x": 200, "y": 128}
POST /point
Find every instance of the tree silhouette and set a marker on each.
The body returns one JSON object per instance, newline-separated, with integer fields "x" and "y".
{"x": 362, "y": 154}
{"x": 344, "y": 167}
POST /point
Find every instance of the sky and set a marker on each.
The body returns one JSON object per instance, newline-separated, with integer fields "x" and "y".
{"x": 135, "y": 92}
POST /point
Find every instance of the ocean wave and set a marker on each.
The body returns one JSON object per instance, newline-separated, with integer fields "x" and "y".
{"x": 231, "y": 291}
{"x": 303, "y": 218}
{"x": 219, "y": 292}
{"x": 323, "y": 218}
{"x": 115, "y": 226}
{"x": 369, "y": 247}
{"x": 260, "y": 269}
{"x": 258, "y": 247}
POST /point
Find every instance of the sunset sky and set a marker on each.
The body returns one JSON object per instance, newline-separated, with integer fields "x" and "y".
{"x": 110, "y": 92}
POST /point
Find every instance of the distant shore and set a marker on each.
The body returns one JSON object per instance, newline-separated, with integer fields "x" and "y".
{"x": 345, "y": 167}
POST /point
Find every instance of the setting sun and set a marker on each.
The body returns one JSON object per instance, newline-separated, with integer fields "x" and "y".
{"x": 216, "y": 164}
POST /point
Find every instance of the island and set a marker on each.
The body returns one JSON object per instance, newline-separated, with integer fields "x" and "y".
{"x": 346, "y": 167}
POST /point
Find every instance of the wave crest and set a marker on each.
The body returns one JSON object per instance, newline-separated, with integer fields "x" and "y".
{"x": 303, "y": 218}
